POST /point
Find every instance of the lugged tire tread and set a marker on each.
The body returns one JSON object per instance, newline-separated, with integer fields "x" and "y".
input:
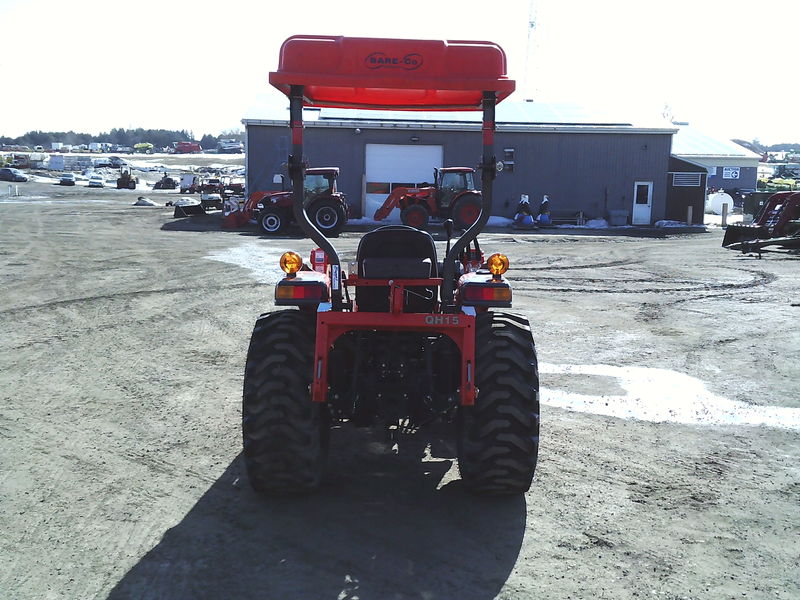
{"x": 498, "y": 438}
{"x": 284, "y": 434}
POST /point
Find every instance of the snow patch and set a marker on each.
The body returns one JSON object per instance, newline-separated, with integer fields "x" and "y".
{"x": 667, "y": 223}
{"x": 597, "y": 224}
{"x": 716, "y": 220}
{"x": 263, "y": 264}
{"x": 499, "y": 222}
{"x": 659, "y": 396}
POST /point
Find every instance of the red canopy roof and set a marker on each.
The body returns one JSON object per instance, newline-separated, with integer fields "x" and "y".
{"x": 393, "y": 74}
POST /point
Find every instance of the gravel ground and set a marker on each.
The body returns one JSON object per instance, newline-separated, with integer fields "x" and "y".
{"x": 669, "y": 458}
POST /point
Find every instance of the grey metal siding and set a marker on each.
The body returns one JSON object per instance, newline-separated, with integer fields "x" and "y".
{"x": 589, "y": 172}
{"x": 748, "y": 177}
{"x": 593, "y": 173}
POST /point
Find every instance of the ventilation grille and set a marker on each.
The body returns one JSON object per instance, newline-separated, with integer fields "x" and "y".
{"x": 686, "y": 179}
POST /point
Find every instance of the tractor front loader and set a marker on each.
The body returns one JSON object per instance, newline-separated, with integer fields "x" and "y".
{"x": 777, "y": 224}
{"x": 401, "y": 338}
{"x": 453, "y": 195}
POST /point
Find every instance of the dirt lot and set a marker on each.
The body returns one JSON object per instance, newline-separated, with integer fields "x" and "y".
{"x": 122, "y": 344}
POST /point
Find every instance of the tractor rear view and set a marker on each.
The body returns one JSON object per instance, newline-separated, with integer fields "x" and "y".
{"x": 406, "y": 337}
{"x": 126, "y": 180}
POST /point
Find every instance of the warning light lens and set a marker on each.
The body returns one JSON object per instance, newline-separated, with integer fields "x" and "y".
{"x": 313, "y": 291}
{"x": 497, "y": 264}
{"x": 486, "y": 294}
{"x": 291, "y": 262}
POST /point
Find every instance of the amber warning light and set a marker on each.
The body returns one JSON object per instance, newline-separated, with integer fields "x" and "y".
{"x": 291, "y": 262}
{"x": 497, "y": 264}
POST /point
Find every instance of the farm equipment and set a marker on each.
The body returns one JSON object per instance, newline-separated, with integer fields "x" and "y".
{"x": 416, "y": 341}
{"x": 325, "y": 205}
{"x": 777, "y": 224}
{"x": 143, "y": 148}
{"x": 189, "y": 183}
{"x": 211, "y": 185}
{"x": 126, "y": 180}
{"x": 165, "y": 183}
{"x": 230, "y": 147}
{"x": 186, "y": 148}
{"x": 453, "y": 195}
{"x": 232, "y": 187}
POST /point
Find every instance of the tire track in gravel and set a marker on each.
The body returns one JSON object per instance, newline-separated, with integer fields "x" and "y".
{"x": 122, "y": 295}
{"x": 622, "y": 286}
{"x": 599, "y": 265}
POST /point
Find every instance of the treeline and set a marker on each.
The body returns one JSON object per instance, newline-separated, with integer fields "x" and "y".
{"x": 760, "y": 148}
{"x": 160, "y": 138}
{"x": 783, "y": 147}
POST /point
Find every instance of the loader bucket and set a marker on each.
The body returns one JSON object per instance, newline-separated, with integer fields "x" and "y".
{"x": 743, "y": 233}
{"x": 188, "y": 210}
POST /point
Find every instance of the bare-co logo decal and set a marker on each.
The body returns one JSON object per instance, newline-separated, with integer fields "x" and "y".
{"x": 380, "y": 60}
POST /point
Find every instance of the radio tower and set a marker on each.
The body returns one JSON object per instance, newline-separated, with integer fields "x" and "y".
{"x": 528, "y": 88}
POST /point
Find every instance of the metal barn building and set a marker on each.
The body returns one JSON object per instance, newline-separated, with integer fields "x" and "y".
{"x": 730, "y": 167}
{"x": 588, "y": 166}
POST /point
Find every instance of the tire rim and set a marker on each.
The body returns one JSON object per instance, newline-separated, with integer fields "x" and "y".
{"x": 469, "y": 213}
{"x": 326, "y": 217}
{"x": 416, "y": 219}
{"x": 271, "y": 222}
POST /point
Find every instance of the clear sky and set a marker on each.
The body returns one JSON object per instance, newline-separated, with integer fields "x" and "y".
{"x": 729, "y": 67}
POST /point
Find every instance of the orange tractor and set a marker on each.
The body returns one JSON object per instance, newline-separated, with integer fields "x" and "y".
{"x": 397, "y": 338}
{"x": 452, "y": 196}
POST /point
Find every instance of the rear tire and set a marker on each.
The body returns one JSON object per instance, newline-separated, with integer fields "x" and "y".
{"x": 329, "y": 216}
{"x": 285, "y": 434}
{"x": 466, "y": 211}
{"x": 498, "y": 437}
{"x": 271, "y": 221}
{"x": 415, "y": 215}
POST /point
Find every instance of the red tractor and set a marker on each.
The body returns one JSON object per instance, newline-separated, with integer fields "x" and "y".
{"x": 326, "y": 206}
{"x": 232, "y": 187}
{"x": 453, "y": 195}
{"x": 404, "y": 338}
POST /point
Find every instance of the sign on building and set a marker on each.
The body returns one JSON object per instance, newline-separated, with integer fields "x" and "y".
{"x": 730, "y": 172}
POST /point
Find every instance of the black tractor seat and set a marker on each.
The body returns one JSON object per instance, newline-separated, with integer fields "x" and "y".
{"x": 396, "y": 252}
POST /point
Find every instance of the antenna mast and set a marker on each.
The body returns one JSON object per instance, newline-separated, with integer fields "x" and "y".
{"x": 526, "y": 86}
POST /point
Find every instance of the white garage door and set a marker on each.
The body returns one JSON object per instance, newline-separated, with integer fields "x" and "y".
{"x": 393, "y": 165}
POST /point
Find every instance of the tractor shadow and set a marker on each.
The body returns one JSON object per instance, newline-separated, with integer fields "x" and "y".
{"x": 212, "y": 221}
{"x": 381, "y": 527}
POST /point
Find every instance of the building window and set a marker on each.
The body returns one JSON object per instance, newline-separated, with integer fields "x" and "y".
{"x": 508, "y": 160}
{"x": 377, "y": 187}
{"x": 730, "y": 172}
{"x": 687, "y": 179}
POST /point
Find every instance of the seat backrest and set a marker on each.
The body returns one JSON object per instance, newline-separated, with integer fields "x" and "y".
{"x": 396, "y": 252}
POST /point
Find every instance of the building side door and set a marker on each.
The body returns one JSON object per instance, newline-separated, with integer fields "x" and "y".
{"x": 642, "y": 202}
